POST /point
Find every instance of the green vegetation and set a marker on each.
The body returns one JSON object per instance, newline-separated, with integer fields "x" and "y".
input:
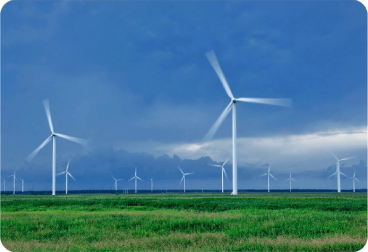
{"x": 192, "y": 222}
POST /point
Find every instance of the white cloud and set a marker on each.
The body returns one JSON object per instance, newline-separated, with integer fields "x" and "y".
{"x": 296, "y": 152}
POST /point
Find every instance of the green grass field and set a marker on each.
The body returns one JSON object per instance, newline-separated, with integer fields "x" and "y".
{"x": 191, "y": 222}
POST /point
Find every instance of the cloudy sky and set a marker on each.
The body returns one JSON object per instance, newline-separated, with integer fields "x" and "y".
{"x": 132, "y": 78}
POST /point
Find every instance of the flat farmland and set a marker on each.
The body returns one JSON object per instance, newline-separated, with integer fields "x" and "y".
{"x": 185, "y": 222}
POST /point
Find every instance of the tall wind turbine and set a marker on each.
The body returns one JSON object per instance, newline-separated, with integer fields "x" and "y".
{"x": 14, "y": 178}
{"x": 290, "y": 179}
{"x": 116, "y": 183}
{"x": 135, "y": 177}
{"x": 53, "y": 137}
{"x": 232, "y": 105}
{"x": 354, "y": 178}
{"x": 338, "y": 172}
{"x": 268, "y": 177}
{"x": 151, "y": 184}
{"x": 66, "y": 177}
{"x": 222, "y": 173}
{"x": 183, "y": 178}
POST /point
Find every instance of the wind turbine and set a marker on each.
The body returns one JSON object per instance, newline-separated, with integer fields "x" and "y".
{"x": 135, "y": 177}
{"x": 183, "y": 178}
{"x": 268, "y": 177}
{"x": 338, "y": 172}
{"x": 116, "y": 183}
{"x": 66, "y": 177}
{"x": 232, "y": 105}
{"x": 22, "y": 184}
{"x": 151, "y": 184}
{"x": 290, "y": 179}
{"x": 354, "y": 178}
{"x": 14, "y": 178}
{"x": 53, "y": 137}
{"x": 222, "y": 173}
{"x": 4, "y": 184}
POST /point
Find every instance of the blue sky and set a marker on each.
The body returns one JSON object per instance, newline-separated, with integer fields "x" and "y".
{"x": 132, "y": 78}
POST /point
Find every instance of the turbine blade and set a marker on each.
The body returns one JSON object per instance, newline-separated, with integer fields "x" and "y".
{"x": 71, "y": 176}
{"x": 269, "y": 101}
{"x": 67, "y": 165}
{"x": 74, "y": 139}
{"x": 113, "y": 177}
{"x": 181, "y": 170}
{"x": 286, "y": 180}
{"x": 216, "y": 66}
{"x": 131, "y": 179}
{"x": 215, "y": 165}
{"x": 293, "y": 179}
{"x": 218, "y": 122}
{"x": 272, "y": 176}
{"x": 332, "y": 175}
{"x": 356, "y": 179}
{"x": 263, "y": 174}
{"x": 225, "y": 162}
{"x": 343, "y": 174}
{"x": 334, "y": 156}
{"x": 34, "y": 153}
{"x": 182, "y": 179}
{"x": 347, "y": 158}
{"x": 139, "y": 178}
{"x": 189, "y": 173}
{"x": 225, "y": 173}
{"x": 60, "y": 173}
{"x": 48, "y": 114}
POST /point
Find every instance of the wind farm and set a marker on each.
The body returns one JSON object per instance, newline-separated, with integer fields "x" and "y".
{"x": 184, "y": 126}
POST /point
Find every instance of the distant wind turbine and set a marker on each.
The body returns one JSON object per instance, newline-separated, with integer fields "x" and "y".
{"x": 53, "y": 137}
{"x": 338, "y": 172}
{"x": 66, "y": 177}
{"x": 4, "y": 184}
{"x": 183, "y": 178}
{"x": 268, "y": 177}
{"x": 232, "y": 105}
{"x": 151, "y": 184}
{"x": 135, "y": 177}
{"x": 290, "y": 179}
{"x": 354, "y": 178}
{"x": 14, "y": 178}
{"x": 116, "y": 183}
{"x": 222, "y": 173}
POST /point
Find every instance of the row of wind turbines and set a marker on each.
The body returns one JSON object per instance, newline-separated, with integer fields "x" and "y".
{"x": 210, "y": 134}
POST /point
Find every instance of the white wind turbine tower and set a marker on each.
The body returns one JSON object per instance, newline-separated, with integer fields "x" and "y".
{"x": 290, "y": 179}
{"x": 14, "y": 178}
{"x": 222, "y": 173}
{"x": 135, "y": 177}
{"x": 66, "y": 177}
{"x": 232, "y": 105}
{"x": 183, "y": 178}
{"x": 338, "y": 172}
{"x": 151, "y": 184}
{"x": 53, "y": 137}
{"x": 22, "y": 184}
{"x": 354, "y": 178}
{"x": 4, "y": 184}
{"x": 268, "y": 177}
{"x": 116, "y": 183}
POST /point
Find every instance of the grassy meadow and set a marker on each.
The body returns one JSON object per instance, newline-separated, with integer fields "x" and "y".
{"x": 190, "y": 222}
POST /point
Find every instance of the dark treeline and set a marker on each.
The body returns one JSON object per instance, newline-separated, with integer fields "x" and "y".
{"x": 170, "y": 191}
